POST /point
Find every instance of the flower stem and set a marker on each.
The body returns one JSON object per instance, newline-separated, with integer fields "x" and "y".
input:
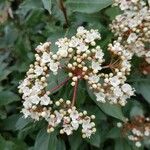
{"x": 60, "y": 85}
{"x": 74, "y": 94}
{"x": 63, "y": 9}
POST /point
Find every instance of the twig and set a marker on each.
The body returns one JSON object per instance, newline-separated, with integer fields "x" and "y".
{"x": 74, "y": 94}
{"x": 63, "y": 9}
{"x": 60, "y": 85}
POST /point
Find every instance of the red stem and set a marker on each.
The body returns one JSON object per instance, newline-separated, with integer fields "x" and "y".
{"x": 74, "y": 94}
{"x": 60, "y": 85}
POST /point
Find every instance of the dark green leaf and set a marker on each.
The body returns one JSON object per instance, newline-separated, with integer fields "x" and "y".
{"x": 122, "y": 144}
{"x": 95, "y": 139}
{"x": 22, "y": 122}
{"x": 7, "y": 97}
{"x": 47, "y": 5}
{"x": 87, "y": 6}
{"x": 45, "y": 141}
{"x": 75, "y": 140}
{"x": 144, "y": 89}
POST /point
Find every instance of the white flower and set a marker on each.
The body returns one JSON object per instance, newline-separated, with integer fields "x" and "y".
{"x": 27, "y": 104}
{"x": 34, "y": 99}
{"x": 119, "y": 124}
{"x": 40, "y": 48}
{"x": 132, "y": 37}
{"x": 52, "y": 121}
{"x": 127, "y": 89}
{"x": 34, "y": 115}
{"x": 124, "y": 5}
{"x": 86, "y": 124}
{"x": 81, "y": 30}
{"x": 61, "y": 42}
{"x": 45, "y": 100}
{"x": 67, "y": 128}
{"x": 53, "y": 66}
{"x": 46, "y": 57}
{"x": 38, "y": 70}
{"x": 74, "y": 42}
{"x": 99, "y": 54}
{"x": 63, "y": 51}
{"x": 147, "y": 133}
{"x": 114, "y": 81}
{"x": 26, "y": 112}
{"x": 117, "y": 91}
{"x": 36, "y": 88}
{"x": 88, "y": 133}
{"x": 100, "y": 97}
{"x": 82, "y": 47}
{"x": 96, "y": 66}
{"x": 59, "y": 117}
{"x": 75, "y": 124}
{"x": 26, "y": 91}
{"x": 147, "y": 54}
{"x": 94, "y": 78}
{"x": 74, "y": 115}
{"x": 138, "y": 144}
{"x": 91, "y": 36}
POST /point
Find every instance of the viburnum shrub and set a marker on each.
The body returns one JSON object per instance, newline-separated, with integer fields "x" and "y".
{"x": 86, "y": 86}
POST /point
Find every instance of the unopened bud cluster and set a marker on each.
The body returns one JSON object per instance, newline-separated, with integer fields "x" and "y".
{"x": 132, "y": 27}
{"x": 137, "y": 129}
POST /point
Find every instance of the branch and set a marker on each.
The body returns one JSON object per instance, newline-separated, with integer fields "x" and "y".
{"x": 63, "y": 9}
{"x": 74, "y": 94}
{"x": 60, "y": 85}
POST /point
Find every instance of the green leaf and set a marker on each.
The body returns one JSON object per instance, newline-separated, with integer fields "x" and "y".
{"x": 112, "y": 110}
{"x": 87, "y": 6}
{"x": 3, "y": 114}
{"x": 122, "y": 144}
{"x": 7, "y": 97}
{"x": 136, "y": 111}
{"x": 27, "y": 6}
{"x": 9, "y": 123}
{"x": 5, "y": 145}
{"x": 114, "y": 133}
{"x": 61, "y": 145}
{"x": 47, "y": 5}
{"x": 45, "y": 141}
{"x": 22, "y": 122}
{"x": 112, "y": 12}
{"x": 75, "y": 140}
{"x": 95, "y": 139}
{"x": 144, "y": 89}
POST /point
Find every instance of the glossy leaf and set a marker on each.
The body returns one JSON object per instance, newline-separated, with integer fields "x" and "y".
{"x": 87, "y": 6}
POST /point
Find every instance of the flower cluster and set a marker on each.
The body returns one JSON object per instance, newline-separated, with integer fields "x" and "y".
{"x": 85, "y": 60}
{"x": 37, "y": 103}
{"x": 82, "y": 59}
{"x": 113, "y": 88}
{"x": 33, "y": 86}
{"x": 132, "y": 27}
{"x": 69, "y": 119}
{"x": 137, "y": 129}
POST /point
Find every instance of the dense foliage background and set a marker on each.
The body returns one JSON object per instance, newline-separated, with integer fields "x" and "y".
{"x": 26, "y": 23}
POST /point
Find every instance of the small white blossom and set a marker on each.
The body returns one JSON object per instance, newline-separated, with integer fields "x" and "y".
{"x": 100, "y": 97}
{"x": 45, "y": 100}
{"x": 114, "y": 81}
{"x": 38, "y": 70}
